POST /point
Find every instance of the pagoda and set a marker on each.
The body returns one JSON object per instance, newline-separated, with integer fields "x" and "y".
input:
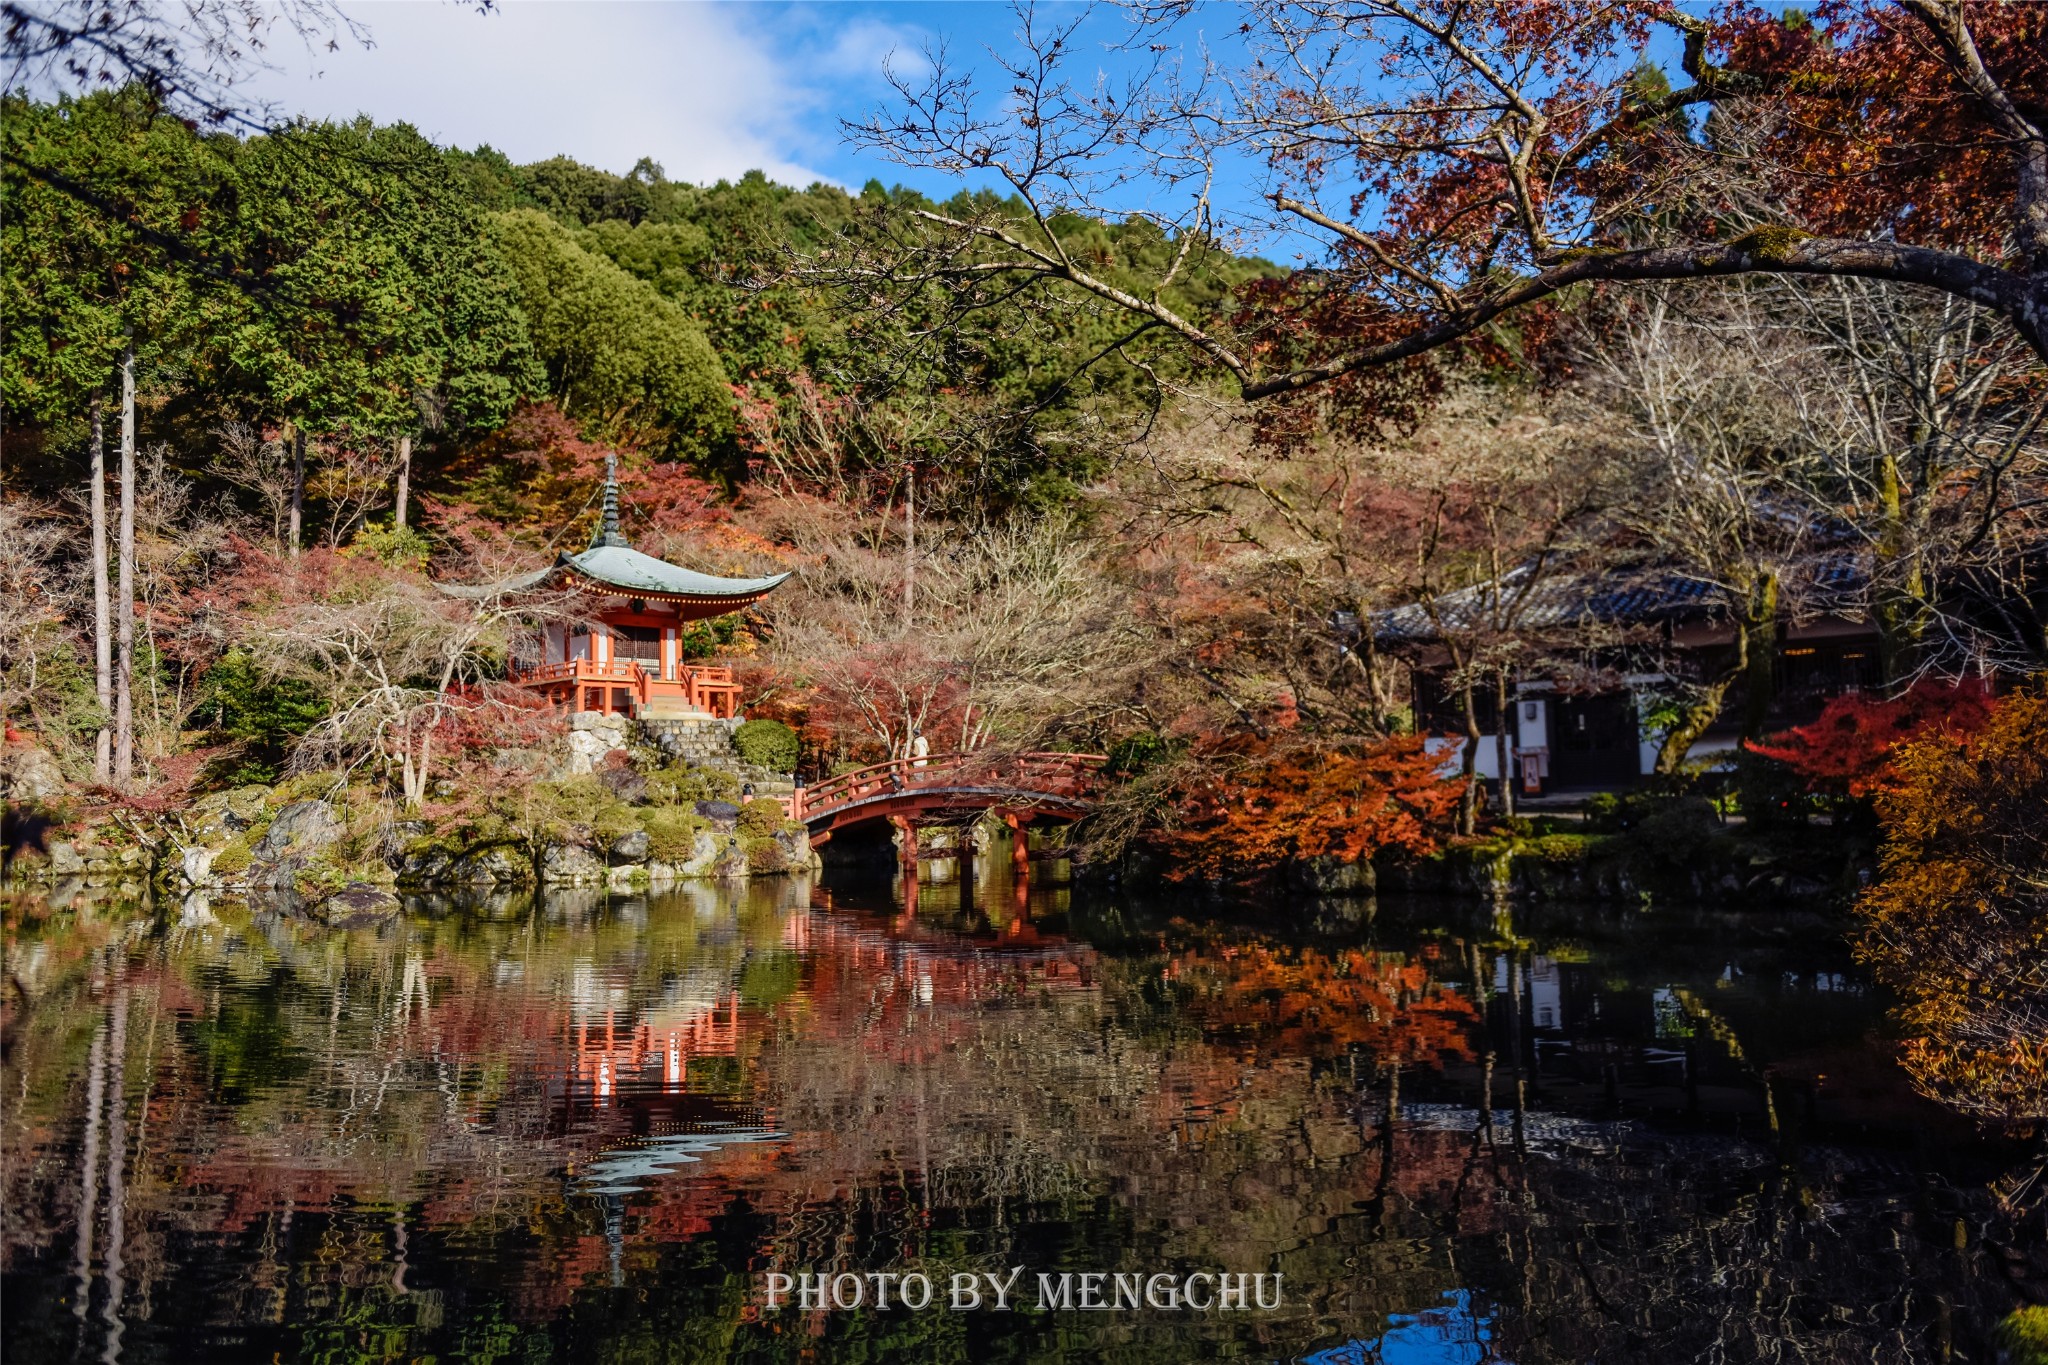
{"x": 625, "y": 656}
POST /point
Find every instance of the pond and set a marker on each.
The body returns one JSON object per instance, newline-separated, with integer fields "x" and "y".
{"x": 579, "y": 1128}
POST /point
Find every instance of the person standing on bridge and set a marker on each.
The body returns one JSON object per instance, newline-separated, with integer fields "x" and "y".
{"x": 920, "y": 747}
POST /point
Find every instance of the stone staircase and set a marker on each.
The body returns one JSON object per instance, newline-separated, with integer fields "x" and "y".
{"x": 706, "y": 742}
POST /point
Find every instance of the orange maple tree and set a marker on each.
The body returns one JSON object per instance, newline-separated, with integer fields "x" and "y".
{"x": 1239, "y": 820}
{"x": 1958, "y": 925}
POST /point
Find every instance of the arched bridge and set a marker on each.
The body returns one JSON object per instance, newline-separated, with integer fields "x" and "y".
{"x": 944, "y": 788}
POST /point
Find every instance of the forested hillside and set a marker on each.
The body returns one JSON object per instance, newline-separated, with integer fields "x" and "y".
{"x": 328, "y": 366}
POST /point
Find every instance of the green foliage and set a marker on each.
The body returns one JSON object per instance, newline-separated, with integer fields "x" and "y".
{"x": 268, "y": 714}
{"x": 378, "y": 288}
{"x": 619, "y": 357}
{"x": 401, "y": 547}
{"x": 1133, "y": 754}
{"x": 672, "y": 832}
{"x": 684, "y": 785}
{"x": 2023, "y": 1335}
{"x": 762, "y": 817}
{"x": 234, "y": 860}
{"x": 768, "y": 744}
{"x": 79, "y": 285}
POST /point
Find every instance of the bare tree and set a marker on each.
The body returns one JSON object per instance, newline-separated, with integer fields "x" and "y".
{"x": 124, "y": 618}
{"x": 1011, "y": 631}
{"x": 1932, "y": 419}
{"x": 102, "y": 602}
{"x": 261, "y": 466}
{"x": 1463, "y": 162}
{"x": 34, "y": 600}
{"x": 396, "y": 657}
{"x": 352, "y": 480}
{"x": 1697, "y": 399}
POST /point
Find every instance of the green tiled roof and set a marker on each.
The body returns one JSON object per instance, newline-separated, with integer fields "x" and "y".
{"x": 624, "y": 568}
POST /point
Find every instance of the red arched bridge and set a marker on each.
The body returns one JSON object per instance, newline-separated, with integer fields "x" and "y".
{"x": 948, "y": 789}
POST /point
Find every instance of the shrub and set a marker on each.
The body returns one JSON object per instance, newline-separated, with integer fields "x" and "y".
{"x": 1679, "y": 832}
{"x": 268, "y": 715}
{"x": 765, "y": 855}
{"x": 682, "y": 785}
{"x": 235, "y": 858}
{"x": 1769, "y": 794}
{"x": 768, "y": 744}
{"x": 762, "y": 817}
{"x": 672, "y": 832}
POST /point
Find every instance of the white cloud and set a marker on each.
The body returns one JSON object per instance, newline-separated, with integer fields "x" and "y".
{"x": 709, "y": 91}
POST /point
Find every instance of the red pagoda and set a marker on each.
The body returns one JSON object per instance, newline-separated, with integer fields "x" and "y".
{"x": 626, "y": 655}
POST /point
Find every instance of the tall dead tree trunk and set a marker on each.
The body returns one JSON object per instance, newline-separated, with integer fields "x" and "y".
{"x": 404, "y": 480}
{"x": 102, "y": 603}
{"x": 1501, "y": 746}
{"x": 124, "y": 638}
{"x": 909, "y": 547}
{"x": 298, "y": 487}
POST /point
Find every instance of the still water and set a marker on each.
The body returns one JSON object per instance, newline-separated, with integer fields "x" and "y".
{"x": 581, "y": 1128}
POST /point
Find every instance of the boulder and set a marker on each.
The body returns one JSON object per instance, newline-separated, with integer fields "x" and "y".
{"x": 300, "y": 829}
{"x": 795, "y": 847}
{"x": 357, "y": 905}
{"x": 570, "y": 865}
{"x": 723, "y": 815}
{"x": 233, "y": 811}
{"x": 196, "y": 867}
{"x": 65, "y": 861}
{"x": 632, "y": 848}
{"x": 28, "y": 772}
{"x": 592, "y": 736}
{"x": 486, "y": 867}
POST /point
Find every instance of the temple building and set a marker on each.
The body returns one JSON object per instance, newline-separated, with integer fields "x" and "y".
{"x": 625, "y": 653}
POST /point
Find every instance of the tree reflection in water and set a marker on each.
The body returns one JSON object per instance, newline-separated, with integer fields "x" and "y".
{"x": 583, "y": 1129}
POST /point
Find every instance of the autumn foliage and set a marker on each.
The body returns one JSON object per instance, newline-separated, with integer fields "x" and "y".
{"x": 1272, "y": 809}
{"x": 1958, "y": 925}
{"x": 1851, "y": 747}
{"x": 1305, "y": 1002}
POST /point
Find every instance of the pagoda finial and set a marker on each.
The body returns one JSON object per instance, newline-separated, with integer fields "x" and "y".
{"x": 608, "y": 528}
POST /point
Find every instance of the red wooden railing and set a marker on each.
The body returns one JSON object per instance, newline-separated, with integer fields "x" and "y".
{"x": 1044, "y": 774}
{"x": 706, "y": 688}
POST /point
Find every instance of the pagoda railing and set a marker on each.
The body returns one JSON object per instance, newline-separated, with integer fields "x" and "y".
{"x": 706, "y": 687}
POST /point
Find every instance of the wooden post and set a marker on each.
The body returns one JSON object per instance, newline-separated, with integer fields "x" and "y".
{"x": 906, "y": 851}
{"x": 1020, "y": 845}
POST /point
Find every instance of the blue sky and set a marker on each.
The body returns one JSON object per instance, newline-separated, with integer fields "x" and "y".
{"x": 709, "y": 90}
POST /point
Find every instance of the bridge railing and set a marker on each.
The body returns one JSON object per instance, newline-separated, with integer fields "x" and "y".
{"x": 1049, "y": 774}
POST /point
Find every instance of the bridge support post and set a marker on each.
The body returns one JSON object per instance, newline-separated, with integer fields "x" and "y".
{"x": 906, "y": 848}
{"x": 1020, "y": 844}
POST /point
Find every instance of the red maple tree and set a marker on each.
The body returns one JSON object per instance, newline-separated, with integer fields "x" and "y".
{"x": 1850, "y": 747}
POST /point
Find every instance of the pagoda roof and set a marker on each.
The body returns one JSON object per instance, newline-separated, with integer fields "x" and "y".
{"x": 635, "y": 574}
{"x": 610, "y": 563}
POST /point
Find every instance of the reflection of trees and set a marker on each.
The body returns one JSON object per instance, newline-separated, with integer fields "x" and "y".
{"x": 386, "y": 1135}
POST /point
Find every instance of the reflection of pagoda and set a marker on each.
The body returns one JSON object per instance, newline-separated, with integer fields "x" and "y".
{"x": 652, "y": 1055}
{"x": 626, "y": 655}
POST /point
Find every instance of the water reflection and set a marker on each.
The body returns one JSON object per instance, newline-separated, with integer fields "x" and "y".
{"x": 583, "y": 1128}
